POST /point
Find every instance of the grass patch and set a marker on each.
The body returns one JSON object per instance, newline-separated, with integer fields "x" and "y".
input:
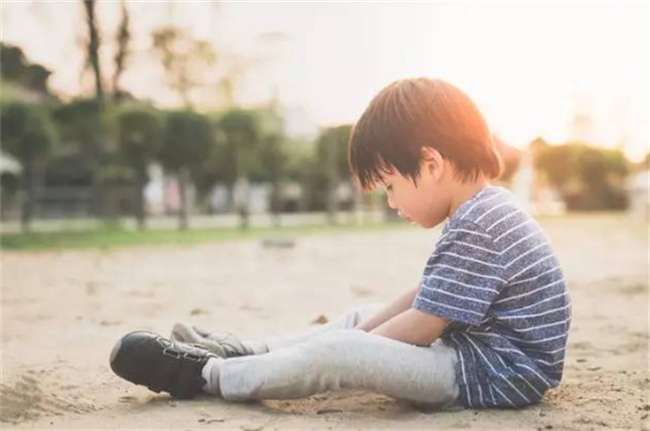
{"x": 115, "y": 237}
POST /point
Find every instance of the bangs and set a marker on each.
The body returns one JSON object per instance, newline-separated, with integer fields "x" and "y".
{"x": 380, "y": 145}
{"x": 366, "y": 164}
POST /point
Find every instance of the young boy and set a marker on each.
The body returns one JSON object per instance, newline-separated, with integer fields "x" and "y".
{"x": 486, "y": 327}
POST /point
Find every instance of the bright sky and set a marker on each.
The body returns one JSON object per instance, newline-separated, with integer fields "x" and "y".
{"x": 530, "y": 67}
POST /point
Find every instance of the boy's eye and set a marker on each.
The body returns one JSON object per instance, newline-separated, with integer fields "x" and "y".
{"x": 389, "y": 188}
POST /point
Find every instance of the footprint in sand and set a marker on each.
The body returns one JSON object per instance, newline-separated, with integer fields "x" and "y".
{"x": 25, "y": 401}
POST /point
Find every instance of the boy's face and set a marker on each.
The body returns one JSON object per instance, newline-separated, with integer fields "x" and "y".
{"x": 426, "y": 203}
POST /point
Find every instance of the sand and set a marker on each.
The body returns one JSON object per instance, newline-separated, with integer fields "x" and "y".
{"x": 63, "y": 311}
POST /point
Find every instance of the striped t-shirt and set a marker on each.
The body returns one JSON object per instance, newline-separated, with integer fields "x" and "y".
{"x": 495, "y": 276}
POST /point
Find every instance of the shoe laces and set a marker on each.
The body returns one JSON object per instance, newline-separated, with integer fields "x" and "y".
{"x": 193, "y": 352}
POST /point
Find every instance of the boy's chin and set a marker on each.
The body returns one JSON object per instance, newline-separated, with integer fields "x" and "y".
{"x": 423, "y": 225}
{"x": 429, "y": 224}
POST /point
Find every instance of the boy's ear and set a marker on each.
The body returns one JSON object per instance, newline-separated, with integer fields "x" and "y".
{"x": 433, "y": 162}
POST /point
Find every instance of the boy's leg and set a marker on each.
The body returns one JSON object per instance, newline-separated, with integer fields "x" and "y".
{"x": 341, "y": 359}
{"x": 348, "y": 320}
{"x": 229, "y": 345}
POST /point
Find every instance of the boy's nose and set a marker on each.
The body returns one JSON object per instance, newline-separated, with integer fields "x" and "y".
{"x": 391, "y": 205}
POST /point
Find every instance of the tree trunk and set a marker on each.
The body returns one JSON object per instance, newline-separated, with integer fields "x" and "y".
{"x": 276, "y": 204}
{"x": 332, "y": 181}
{"x": 97, "y": 187}
{"x": 28, "y": 197}
{"x": 230, "y": 187}
{"x": 182, "y": 188}
{"x": 242, "y": 203}
{"x": 123, "y": 39}
{"x": 244, "y": 218}
{"x": 141, "y": 213}
{"x": 93, "y": 47}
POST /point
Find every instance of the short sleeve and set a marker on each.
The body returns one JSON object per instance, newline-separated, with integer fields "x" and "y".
{"x": 463, "y": 275}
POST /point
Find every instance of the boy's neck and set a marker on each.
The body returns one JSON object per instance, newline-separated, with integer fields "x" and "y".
{"x": 464, "y": 192}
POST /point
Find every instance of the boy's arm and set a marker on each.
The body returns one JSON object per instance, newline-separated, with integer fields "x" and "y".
{"x": 397, "y": 306}
{"x": 413, "y": 327}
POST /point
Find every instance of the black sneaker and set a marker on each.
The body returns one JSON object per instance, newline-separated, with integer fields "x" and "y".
{"x": 148, "y": 359}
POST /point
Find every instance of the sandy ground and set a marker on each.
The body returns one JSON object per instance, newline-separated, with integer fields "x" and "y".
{"x": 63, "y": 311}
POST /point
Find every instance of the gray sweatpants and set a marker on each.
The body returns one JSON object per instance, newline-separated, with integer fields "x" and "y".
{"x": 335, "y": 356}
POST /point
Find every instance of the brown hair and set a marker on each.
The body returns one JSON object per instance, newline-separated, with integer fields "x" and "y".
{"x": 410, "y": 114}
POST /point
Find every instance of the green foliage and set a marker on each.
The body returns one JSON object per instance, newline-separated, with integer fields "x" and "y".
{"x": 28, "y": 133}
{"x": 327, "y": 167}
{"x": 332, "y": 147}
{"x": 588, "y": 178}
{"x": 140, "y": 133}
{"x": 87, "y": 130}
{"x": 139, "y": 141}
{"x": 69, "y": 168}
{"x": 10, "y": 186}
{"x": 85, "y": 127}
{"x": 187, "y": 142}
{"x": 299, "y": 153}
{"x": 239, "y": 133}
{"x": 216, "y": 167}
{"x": 272, "y": 159}
{"x": 240, "y": 128}
{"x": 13, "y": 61}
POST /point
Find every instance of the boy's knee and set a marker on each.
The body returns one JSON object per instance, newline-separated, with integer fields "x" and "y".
{"x": 334, "y": 342}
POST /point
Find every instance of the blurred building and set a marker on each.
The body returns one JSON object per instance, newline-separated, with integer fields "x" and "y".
{"x": 9, "y": 179}
{"x": 9, "y": 165}
{"x": 162, "y": 196}
{"x": 532, "y": 191}
{"x": 638, "y": 189}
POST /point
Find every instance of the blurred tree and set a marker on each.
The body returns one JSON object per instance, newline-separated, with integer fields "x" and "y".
{"x": 105, "y": 171}
{"x": 299, "y": 152}
{"x": 28, "y": 135}
{"x": 214, "y": 169}
{"x": 273, "y": 164}
{"x": 187, "y": 143}
{"x": 139, "y": 140}
{"x": 93, "y": 47}
{"x": 587, "y": 177}
{"x": 240, "y": 133}
{"x": 13, "y": 62}
{"x": 557, "y": 162}
{"x": 186, "y": 61}
{"x": 121, "y": 57}
{"x": 10, "y": 186}
{"x": 16, "y": 68}
{"x": 328, "y": 169}
{"x": 85, "y": 128}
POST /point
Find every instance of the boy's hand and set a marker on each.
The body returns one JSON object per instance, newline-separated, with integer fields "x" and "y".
{"x": 413, "y": 327}
{"x": 397, "y": 306}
